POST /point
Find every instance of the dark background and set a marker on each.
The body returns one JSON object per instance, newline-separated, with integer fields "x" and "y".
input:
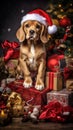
{"x": 11, "y": 12}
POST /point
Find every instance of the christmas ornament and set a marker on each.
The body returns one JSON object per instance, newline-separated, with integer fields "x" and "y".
{"x": 60, "y": 43}
{"x": 34, "y": 115}
{"x": 42, "y": 17}
{"x": 31, "y": 113}
{"x": 67, "y": 32}
{"x": 64, "y": 22}
{"x": 53, "y": 63}
{"x": 16, "y": 104}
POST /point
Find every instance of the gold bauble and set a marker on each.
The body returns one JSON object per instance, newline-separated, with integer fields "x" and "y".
{"x": 18, "y": 110}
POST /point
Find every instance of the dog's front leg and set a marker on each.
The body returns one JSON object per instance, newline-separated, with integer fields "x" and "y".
{"x": 27, "y": 78}
{"x": 40, "y": 76}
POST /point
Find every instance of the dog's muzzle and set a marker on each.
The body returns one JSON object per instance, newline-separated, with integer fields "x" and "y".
{"x": 32, "y": 34}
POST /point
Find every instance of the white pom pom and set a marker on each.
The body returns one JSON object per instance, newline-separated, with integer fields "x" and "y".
{"x": 52, "y": 29}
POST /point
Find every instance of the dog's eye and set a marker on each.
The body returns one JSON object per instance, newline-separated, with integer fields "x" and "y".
{"x": 27, "y": 25}
{"x": 38, "y": 26}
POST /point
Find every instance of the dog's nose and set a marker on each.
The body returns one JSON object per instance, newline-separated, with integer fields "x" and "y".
{"x": 32, "y": 32}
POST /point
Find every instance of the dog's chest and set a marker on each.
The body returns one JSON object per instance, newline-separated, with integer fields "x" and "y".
{"x": 32, "y": 59}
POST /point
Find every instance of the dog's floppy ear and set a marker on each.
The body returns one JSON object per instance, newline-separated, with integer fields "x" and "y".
{"x": 44, "y": 34}
{"x": 20, "y": 34}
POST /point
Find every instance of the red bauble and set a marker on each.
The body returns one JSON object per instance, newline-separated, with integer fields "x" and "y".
{"x": 64, "y": 22}
{"x": 53, "y": 63}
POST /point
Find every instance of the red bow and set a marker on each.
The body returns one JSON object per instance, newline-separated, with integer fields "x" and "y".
{"x": 11, "y": 50}
{"x": 54, "y": 111}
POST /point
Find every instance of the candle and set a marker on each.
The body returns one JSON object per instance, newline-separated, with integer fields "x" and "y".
{"x": 3, "y": 115}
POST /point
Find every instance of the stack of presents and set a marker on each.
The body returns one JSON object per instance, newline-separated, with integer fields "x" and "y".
{"x": 58, "y": 83}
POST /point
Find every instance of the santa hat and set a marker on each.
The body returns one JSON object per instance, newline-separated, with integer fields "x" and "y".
{"x": 42, "y": 17}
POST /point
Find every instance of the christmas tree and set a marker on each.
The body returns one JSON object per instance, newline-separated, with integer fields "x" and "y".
{"x": 61, "y": 12}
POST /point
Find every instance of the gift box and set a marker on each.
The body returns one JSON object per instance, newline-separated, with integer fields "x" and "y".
{"x": 10, "y": 55}
{"x": 69, "y": 62}
{"x": 69, "y": 84}
{"x": 11, "y": 65}
{"x": 65, "y": 97}
{"x": 30, "y": 95}
{"x": 54, "y": 81}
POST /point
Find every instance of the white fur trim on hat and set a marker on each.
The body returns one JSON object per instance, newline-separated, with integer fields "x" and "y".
{"x": 34, "y": 16}
{"x": 52, "y": 29}
{"x": 42, "y": 17}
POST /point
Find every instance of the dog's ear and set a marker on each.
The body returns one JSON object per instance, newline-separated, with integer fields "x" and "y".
{"x": 20, "y": 34}
{"x": 44, "y": 34}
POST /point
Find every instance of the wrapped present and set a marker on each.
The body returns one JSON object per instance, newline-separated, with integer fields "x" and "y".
{"x": 30, "y": 95}
{"x": 10, "y": 55}
{"x": 69, "y": 84}
{"x": 69, "y": 62}
{"x": 11, "y": 65}
{"x": 56, "y": 63}
{"x": 54, "y": 81}
{"x": 65, "y": 97}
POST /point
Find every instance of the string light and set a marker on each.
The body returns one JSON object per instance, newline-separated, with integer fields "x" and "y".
{"x": 62, "y": 10}
{"x": 60, "y": 5}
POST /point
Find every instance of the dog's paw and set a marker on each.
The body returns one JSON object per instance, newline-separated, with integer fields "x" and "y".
{"x": 27, "y": 84}
{"x": 39, "y": 87}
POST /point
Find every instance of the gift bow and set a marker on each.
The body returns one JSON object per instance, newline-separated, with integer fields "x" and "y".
{"x": 10, "y": 48}
{"x": 54, "y": 111}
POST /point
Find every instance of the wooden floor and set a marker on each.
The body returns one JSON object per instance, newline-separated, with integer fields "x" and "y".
{"x": 18, "y": 125}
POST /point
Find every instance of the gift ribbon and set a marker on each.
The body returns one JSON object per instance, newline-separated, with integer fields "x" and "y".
{"x": 54, "y": 111}
{"x": 51, "y": 80}
{"x": 10, "y": 48}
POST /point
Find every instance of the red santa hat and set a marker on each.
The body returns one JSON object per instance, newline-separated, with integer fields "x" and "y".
{"x": 42, "y": 17}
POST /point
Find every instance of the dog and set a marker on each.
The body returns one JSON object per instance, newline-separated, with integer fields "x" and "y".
{"x": 36, "y": 26}
{"x": 33, "y": 35}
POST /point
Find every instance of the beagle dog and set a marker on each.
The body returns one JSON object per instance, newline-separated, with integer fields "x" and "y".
{"x": 33, "y": 35}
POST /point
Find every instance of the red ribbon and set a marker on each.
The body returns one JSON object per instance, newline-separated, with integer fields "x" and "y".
{"x": 54, "y": 111}
{"x": 51, "y": 80}
{"x": 10, "y": 49}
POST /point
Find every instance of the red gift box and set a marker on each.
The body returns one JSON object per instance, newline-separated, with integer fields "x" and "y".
{"x": 30, "y": 95}
{"x": 65, "y": 97}
{"x": 11, "y": 65}
{"x": 54, "y": 80}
